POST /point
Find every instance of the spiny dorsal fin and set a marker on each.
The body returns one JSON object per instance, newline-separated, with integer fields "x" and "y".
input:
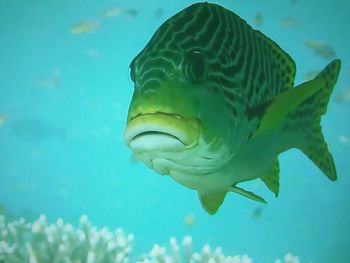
{"x": 271, "y": 179}
{"x": 283, "y": 61}
{"x": 247, "y": 194}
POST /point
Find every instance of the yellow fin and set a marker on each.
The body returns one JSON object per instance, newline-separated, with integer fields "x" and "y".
{"x": 304, "y": 122}
{"x": 286, "y": 102}
{"x": 247, "y": 194}
{"x": 271, "y": 179}
{"x": 211, "y": 201}
{"x": 297, "y": 112}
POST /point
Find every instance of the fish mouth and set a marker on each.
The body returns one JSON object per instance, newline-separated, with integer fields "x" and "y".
{"x": 161, "y": 131}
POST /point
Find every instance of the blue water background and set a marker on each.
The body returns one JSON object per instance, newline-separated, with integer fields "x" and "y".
{"x": 62, "y": 151}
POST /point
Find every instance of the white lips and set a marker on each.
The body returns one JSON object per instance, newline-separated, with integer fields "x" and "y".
{"x": 155, "y": 141}
{"x": 158, "y": 131}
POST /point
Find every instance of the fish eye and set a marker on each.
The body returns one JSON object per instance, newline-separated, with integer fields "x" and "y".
{"x": 195, "y": 67}
{"x": 132, "y": 71}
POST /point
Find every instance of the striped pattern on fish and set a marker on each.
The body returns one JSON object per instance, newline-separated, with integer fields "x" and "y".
{"x": 214, "y": 105}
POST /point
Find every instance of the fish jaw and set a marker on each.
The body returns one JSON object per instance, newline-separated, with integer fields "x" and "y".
{"x": 161, "y": 132}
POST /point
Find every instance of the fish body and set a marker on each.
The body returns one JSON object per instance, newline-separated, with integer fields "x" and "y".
{"x": 214, "y": 105}
{"x": 112, "y": 12}
{"x": 343, "y": 96}
{"x": 321, "y": 49}
{"x": 288, "y": 22}
{"x": 3, "y": 118}
{"x": 85, "y": 27}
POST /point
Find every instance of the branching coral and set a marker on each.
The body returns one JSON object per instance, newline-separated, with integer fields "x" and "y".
{"x": 158, "y": 254}
{"x": 41, "y": 242}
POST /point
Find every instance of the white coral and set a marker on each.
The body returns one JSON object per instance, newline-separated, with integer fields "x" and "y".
{"x": 158, "y": 254}
{"x": 41, "y": 242}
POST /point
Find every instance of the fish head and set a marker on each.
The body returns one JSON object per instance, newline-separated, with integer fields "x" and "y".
{"x": 183, "y": 115}
{"x": 175, "y": 109}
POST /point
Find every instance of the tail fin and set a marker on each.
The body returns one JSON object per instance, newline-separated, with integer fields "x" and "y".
{"x": 306, "y": 119}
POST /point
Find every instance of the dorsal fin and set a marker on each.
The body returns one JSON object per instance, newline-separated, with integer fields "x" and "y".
{"x": 283, "y": 62}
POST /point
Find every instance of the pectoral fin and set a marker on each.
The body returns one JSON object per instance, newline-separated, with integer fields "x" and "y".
{"x": 247, "y": 194}
{"x": 274, "y": 111}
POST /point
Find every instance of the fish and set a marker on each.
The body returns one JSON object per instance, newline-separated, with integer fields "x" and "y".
{"x": 131, "y": 12}
{"x": 344, "y": 140}
{"x": 85, "y": 27}
{"x": 190, "y": 219}
{"x": 321, "y": 49}
{"x": 343, "y": 96}
{"x": 50, "y": 82}
{"x": 257, "y": 213}
{"x": 112, "y": 12}
{"x": 159, "y": 12}
{"x": 258, "y": 19}
{"x": 289, "y": 22}
{"x": 3, "y": 118}
{"x": 214, "y": 104}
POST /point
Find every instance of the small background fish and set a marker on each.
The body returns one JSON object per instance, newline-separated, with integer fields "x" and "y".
{"x": 321, "y": 49}
{"x": 3, "y": 118}
{"x": 343, "y": 96}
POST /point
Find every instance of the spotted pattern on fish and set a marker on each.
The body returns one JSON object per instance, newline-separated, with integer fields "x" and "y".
{"x": 252, "y": 78}
{"x": 300, "y": 121}
{"x": 245, "y": 65}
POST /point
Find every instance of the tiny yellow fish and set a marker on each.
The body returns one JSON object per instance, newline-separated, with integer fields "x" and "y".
{"x": 190, "y": 220}
{"x": 3, "y": 118}
{"x": 321, "y": 49}
{"x": 112, "y": 12}
{"x": 85, "y": 27}
{"x": 344, "y": 140}
{"x": 50, "y": 82}
{"x": 288, "y": 22}
{"x": 343, "y": 96}
{"x": 258, "y": 19}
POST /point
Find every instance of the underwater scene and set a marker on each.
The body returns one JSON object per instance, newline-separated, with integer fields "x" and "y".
{"x": 174, "y": 131}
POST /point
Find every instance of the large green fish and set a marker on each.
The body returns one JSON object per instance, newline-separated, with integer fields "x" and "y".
{"x": 214, "y": 105}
